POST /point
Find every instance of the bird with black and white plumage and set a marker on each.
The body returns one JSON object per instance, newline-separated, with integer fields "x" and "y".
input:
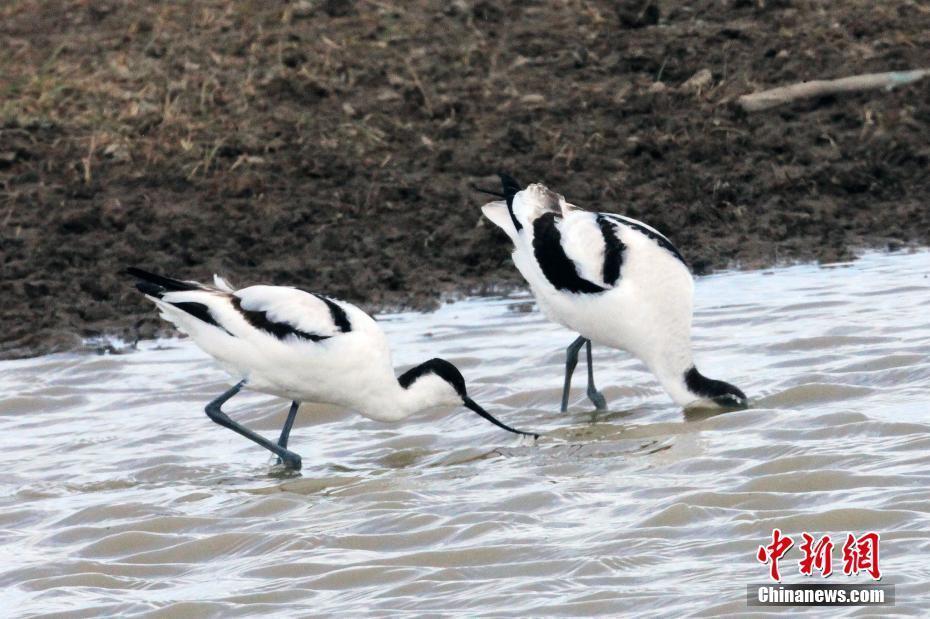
{"x": 304, "y": 347}
{"x": 615, "y": 281}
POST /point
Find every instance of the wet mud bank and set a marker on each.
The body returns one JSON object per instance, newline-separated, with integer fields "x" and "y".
{"x": 331, "y": 145}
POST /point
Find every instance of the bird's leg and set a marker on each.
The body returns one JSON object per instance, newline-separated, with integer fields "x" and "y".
{"x": 593, "y": 394}
{"x": 286, "y": 430}
{"x": 571, "y": 360}
{"x": 291, "y": 460}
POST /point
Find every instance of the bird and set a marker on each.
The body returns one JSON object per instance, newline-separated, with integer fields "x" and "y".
{"x": 305, "y": 347}
{"x": 613, "y": 280}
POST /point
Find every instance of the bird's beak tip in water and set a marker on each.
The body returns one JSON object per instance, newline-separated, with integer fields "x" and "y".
{"x": 734, "y": 404}
{"x": 472, "y": 405}
{"x": 713, "y": 409}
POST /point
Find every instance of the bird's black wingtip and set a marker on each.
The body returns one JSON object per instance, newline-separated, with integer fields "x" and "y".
{"x": 153, "y": 290}
{"x": 165, "y": 283}
{"x": 137, "y": 272}
{"x": 148, "y": 282}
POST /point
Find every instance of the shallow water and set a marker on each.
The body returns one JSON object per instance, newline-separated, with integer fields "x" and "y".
{"x": 120, "y": 497}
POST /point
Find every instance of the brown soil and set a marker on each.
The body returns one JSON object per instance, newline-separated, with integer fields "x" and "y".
{"x": 331, "y": 143}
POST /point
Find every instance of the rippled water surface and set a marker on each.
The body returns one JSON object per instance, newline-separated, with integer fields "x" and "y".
{"x": 120, "y": 497}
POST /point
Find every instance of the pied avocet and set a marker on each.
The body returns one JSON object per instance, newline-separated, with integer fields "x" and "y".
{"x": 613, "y": 280}
{"x": 304, "y": 347}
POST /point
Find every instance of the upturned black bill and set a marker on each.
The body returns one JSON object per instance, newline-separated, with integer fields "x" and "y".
{"x": 469, "y": 403}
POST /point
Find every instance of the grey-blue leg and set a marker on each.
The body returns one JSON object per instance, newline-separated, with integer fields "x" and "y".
{"x": 593, "y": 394}
{"x": 288, "y": 424}
{"x": 571, "y": 360}
{"x": 214, "y": 412}
{"x": 286, "y": 430}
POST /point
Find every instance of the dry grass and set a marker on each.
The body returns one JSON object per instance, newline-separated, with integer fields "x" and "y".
{"x": 216, "y": 135}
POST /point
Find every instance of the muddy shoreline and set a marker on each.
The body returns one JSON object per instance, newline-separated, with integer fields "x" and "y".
{"x": 332, "y": 144}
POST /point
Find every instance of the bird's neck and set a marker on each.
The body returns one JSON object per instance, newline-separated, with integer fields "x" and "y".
{"x": 687, "y": 386}
{"x": 401, "y": 402}
{"x": 671, "y": 369}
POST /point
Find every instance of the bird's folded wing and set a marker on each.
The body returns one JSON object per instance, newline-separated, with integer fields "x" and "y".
{"x": 648, "y": 231}
{"x": 593, "y": 244}
{"x": 284, "y": 312}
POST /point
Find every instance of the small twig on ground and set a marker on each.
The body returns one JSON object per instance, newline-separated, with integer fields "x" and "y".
{"x": 419, "y": 85}
{"x": 818, "y": 88}
{"x": 87, "y": 161}
{"x": 661, "y": 69}
{"x": 372, "y": 188}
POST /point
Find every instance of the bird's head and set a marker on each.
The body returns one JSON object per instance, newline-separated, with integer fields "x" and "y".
{"x": 520, "y": 207}
{"x": 437, "y": 382}
{"x": 501, "y": 212}
{"x": 710, "y": 393}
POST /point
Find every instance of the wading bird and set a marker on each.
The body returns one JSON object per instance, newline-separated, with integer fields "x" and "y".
{"x": 304, "y": 347}
{"x": 613, "y": 280}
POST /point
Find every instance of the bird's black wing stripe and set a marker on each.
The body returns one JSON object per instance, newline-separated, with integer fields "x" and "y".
{"x": 340, "y": 319}
{"x": 661, "y": 240}
{"x": 153, "y": 290}
{"x": 200, "y": 312}
{"x": 280, "y": 330}
{"x": 613, "y": 251}
{"x": 556, "y": 266}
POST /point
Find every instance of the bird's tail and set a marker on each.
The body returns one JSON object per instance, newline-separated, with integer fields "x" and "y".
{"x": 157, "y": 285}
